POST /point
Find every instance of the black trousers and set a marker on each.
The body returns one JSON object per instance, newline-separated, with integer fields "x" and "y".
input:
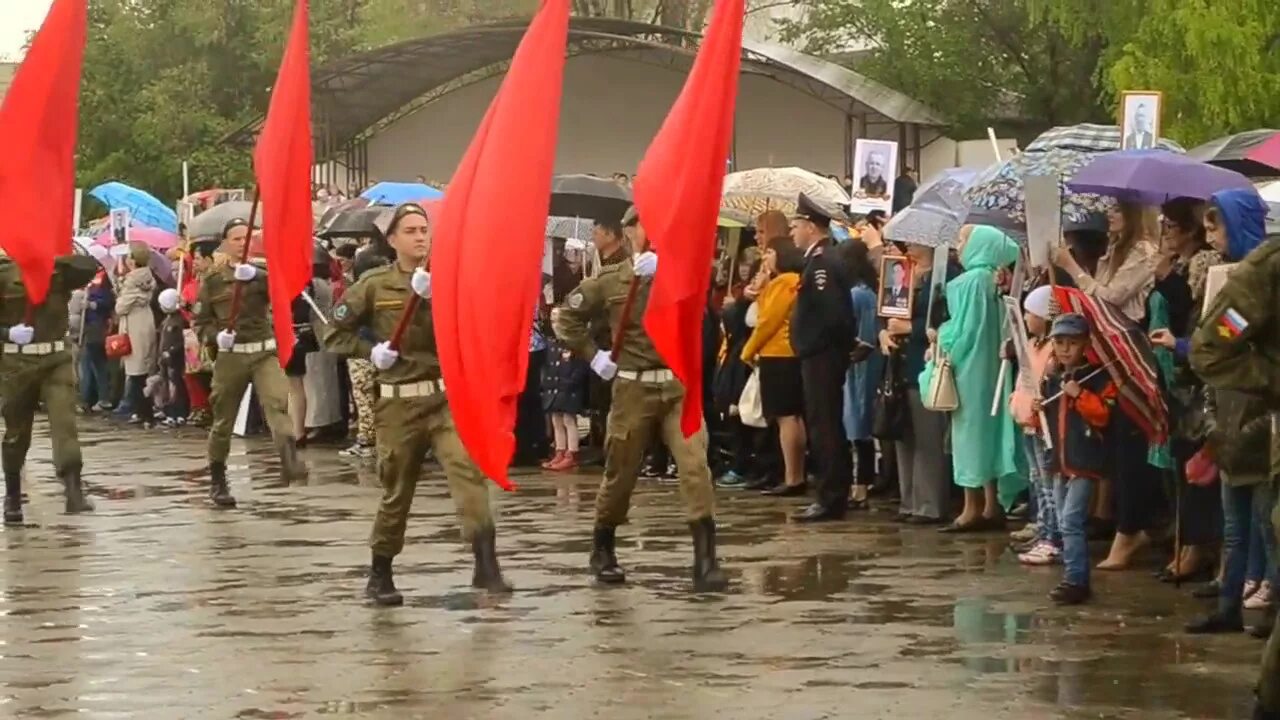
{"x": 824, "y": 376}
{"x": 866, "y": 469}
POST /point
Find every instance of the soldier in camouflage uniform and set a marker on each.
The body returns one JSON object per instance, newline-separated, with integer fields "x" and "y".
{"x": 647, "y": 398}
{"x": 411, "y": 413}
{"x": 245, "y": 354}
{"x": 36, "y": 367}
{"x": 1237, "y": 347}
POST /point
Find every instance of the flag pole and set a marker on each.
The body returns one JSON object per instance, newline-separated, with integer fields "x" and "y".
{"x": 237, "y": 290}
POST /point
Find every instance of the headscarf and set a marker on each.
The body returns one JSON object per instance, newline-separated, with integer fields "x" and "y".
{"x": 1038, "y": 301}
{"x": 1245, "y": 216}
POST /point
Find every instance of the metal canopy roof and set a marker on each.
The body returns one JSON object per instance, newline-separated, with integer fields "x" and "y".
{"x": 361, "y": 92}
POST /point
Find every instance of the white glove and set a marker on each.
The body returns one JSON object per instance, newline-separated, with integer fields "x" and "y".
{"x": 646, "y": 264}
{"x": 226, "y": 340}
{"x": 421, "y": 283}
{"x": 168, "y": 300}
{"x": 246, "y": 272}
{"x": 120, "y": 250}
{"x": 98, "y": 252}
{"x": 383, "y": 357}
{"x": 603, "y": 365}
{"x": 21, "y": 334}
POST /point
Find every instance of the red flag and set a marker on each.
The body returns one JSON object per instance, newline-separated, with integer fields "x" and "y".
{"x": 499, "y": 196}
{"x": 282, "y": 164}
{"x": 37, "y": 168}
{"x": 677, "y": 193}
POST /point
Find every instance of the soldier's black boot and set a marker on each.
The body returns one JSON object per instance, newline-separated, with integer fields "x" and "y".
{"x": 74, "y": 491}
{"x": 707, "y": 575}
{"x": 382, "y": 588}
{"x": 13, "y": 496}
{"x": 604, "y": 558}
{"x": 219, "y": 492}
{"x": 292, "y": 468}
{"x": 488, "y": 575}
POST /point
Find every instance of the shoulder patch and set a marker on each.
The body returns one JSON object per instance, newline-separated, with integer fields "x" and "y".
{"x": 820, "y": 278}
{"x": 342, "y": 312}
{"x": 1231, "y": 324}
{"x": 574, "y": 301}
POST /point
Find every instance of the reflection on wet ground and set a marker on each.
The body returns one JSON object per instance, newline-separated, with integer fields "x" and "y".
{"x": 159, "y": 607}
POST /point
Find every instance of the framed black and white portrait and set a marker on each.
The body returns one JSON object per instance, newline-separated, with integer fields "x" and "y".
{"x": 875, "y": 164}
{"x": 120, "y": 220}
{"x": 1140, "y": 119}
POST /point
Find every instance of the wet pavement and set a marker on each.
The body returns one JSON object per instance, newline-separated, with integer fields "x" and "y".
{"x": 157, "y": 606}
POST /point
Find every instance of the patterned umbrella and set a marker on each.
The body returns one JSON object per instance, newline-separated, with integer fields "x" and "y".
{"x": 936, "y": 213}
{"x": 998, "y": 196}
{"x": 749, "y": 193}
{"x": 569, "y": 227}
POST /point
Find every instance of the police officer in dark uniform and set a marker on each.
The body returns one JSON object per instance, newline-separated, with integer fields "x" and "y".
{"x": 822, "y": 333}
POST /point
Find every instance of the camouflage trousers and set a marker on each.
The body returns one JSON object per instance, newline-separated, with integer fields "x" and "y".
{"x": 1269, "y": 682}
{"x": 362, "y": 392}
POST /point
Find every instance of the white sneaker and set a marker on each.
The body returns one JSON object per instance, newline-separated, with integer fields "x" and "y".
{"x": 1044, "y": 553}
{"x": 1260, "y": 600}
{"x": 357, "y": 450}
{"x": 1250, "y": 588}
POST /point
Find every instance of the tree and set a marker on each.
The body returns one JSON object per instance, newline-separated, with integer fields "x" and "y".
{"x": 975, "y": 60}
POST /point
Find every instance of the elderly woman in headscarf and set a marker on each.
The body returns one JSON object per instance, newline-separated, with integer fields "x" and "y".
{"x": 985, "y": 448}
{"x": 133, "y": 308}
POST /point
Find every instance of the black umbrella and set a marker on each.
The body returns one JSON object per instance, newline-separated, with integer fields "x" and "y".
{"x": 210, "y": 223}
{"x": 357, "y": 222}
{"x": 1237, "y": 152}
{"x": 588, "y": 196}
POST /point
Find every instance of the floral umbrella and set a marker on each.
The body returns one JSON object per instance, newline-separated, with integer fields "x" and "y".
{"x": 749, "y": 193}
{"x": 998, "y": 196}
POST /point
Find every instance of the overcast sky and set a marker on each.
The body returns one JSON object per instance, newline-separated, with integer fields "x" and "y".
{"x": 16, "y": 18}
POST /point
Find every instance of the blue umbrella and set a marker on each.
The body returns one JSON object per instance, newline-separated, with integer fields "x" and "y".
{"x": 143, "y": 207}
{"x": 394, "y": 193}
{"x": 1154, "y": 177}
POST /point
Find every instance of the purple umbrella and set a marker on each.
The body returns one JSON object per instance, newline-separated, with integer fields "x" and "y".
{"x": 1153, "y": 177}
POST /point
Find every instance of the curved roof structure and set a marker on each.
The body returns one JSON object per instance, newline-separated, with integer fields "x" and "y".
{"x": 358, "y": 93}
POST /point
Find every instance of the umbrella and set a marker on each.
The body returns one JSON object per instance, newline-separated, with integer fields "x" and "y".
{"x": 998, "y": 197}
{"x": 569, "y": 227}
{"x": 937, "y": 212}
{"x": 749, "y": 193}
{"x": 143, "y": 207}
{"x": 210, "y": 223}
{"x": 1153, "y": 177}
{"x": 588, "y": 196}
{"x": 355, "y": 222}
{"x": 154, "y": 238}
{"x": 394, "y": 193}
{"x": 1248, "y": 153}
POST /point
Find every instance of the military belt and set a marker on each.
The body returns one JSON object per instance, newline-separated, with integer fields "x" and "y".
{"x": 253, "y": 347}
{"x": 44, "y": 348}
{"x": 424, "y": 388}
{"x": 647, "y": 376}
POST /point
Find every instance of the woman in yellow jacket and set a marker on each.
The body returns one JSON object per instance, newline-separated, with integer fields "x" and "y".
{"x": 781, "y": 389}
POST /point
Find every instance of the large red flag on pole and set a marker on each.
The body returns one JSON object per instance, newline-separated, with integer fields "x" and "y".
{"x": 282, "y": 163}
{"x": 488, "y": 244}
{"x": 38, "y": 126}
{"x": 677, "y": 193}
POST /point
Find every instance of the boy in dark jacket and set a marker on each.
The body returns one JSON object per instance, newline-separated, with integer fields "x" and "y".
{"x": 1078, "y": 401}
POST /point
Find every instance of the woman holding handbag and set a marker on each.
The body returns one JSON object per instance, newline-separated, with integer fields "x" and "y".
{"x": 138, "y": 325}
{"x": 985, "y": 449}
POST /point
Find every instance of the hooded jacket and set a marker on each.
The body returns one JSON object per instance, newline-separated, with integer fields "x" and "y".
{"x": 1245, "y": 216}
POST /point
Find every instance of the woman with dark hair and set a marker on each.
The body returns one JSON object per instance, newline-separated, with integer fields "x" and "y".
{"x": 781, "y": 387}
{"x": 865, "y": 371}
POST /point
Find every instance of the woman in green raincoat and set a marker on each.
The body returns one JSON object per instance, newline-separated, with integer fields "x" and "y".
{"x": 984, "y": 448}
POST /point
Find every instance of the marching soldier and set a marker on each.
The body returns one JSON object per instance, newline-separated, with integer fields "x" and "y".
{"x": 1237, "y": 347}
{"x": 36, "y": 367}
{"x": 647, "y": 398}
{"x": 245, "y": 353}
{"x": 411, "y": 414}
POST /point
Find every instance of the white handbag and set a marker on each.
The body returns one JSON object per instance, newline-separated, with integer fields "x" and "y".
{"x": 750, "y": 409}
{"x": 941, "y": 395}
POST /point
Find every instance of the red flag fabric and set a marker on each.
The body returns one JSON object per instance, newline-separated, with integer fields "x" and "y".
{"x": 677, "y": 193}
{"x": 38, "y": 122}
{"x": 282, "y": 163}
{"x": 497, "y": 202}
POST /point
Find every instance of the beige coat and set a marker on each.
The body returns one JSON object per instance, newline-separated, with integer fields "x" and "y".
{"x": 133, "y": 309}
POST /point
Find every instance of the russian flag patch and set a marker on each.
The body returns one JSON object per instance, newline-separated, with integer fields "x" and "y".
{"x": 1232, "y": 324}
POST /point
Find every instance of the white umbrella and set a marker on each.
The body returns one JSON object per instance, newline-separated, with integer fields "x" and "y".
{"x": 751, "y": 192}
